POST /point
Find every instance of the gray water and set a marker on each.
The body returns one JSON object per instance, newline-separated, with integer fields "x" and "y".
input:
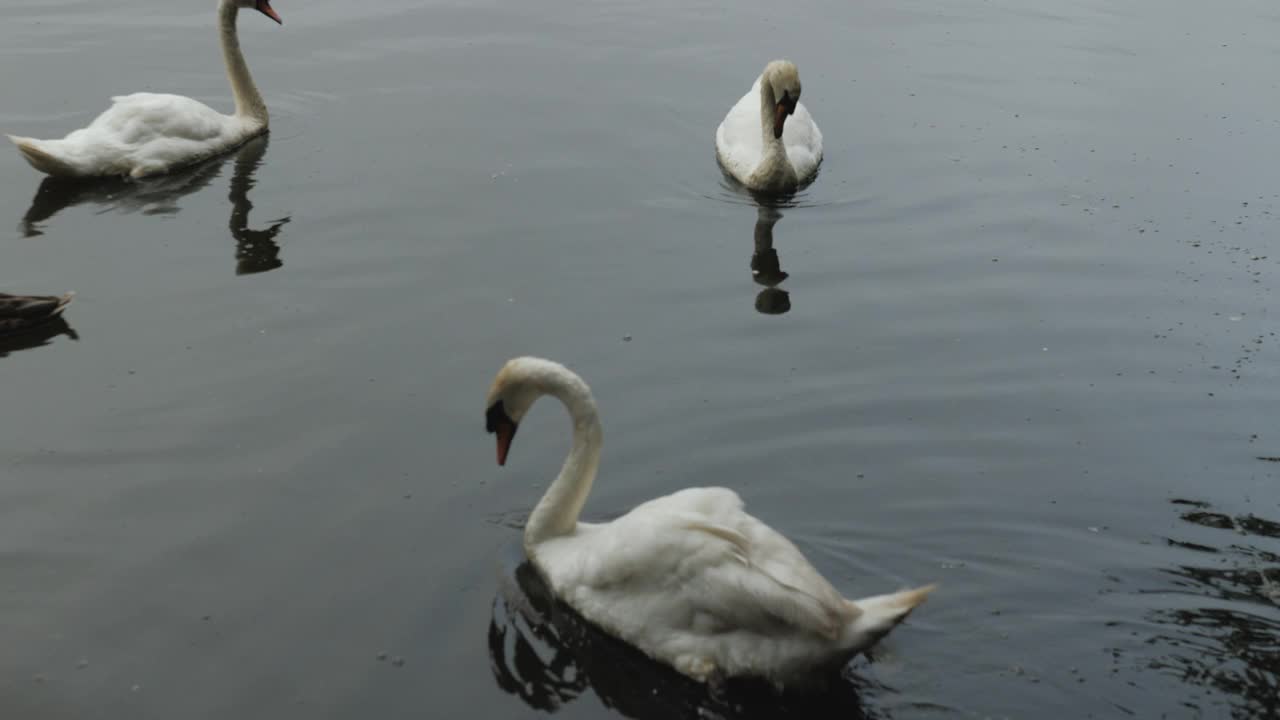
{"x": 1025, "y": 348}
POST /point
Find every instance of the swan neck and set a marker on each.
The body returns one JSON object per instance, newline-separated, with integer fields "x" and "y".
{"x": 249, "y": 103}
{"x": 774, "y": 171}
{"x": 556, "y": 514}
{"x": 773, "y": 146}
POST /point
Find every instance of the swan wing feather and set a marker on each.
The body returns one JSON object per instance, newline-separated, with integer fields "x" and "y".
{"x": 803, "y": 141}
{"x": 141, "y": 117}
{"x": 695, "y": 555}
{"x": 739, "y": 145}
{"x": 760, "y": 593}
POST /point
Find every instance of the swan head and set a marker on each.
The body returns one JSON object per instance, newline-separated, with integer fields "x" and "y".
{"x": 784, "y": 80}
{"x": 515, "y": 388}
{"x": 262, "y": 6}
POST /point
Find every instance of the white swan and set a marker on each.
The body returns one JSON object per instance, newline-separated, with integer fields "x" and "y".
{"x": 690, "y": 579}
{"x": 147, "y": 133}
{"x": 759, "y": 146}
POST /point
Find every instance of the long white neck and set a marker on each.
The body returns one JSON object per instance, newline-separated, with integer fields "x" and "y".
{"x": 557, "y": 512}
{"x": 774, "y": 168}
{"x": 249, "y": 103}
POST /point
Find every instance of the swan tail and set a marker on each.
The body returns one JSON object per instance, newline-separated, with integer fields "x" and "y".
{"x": 41, "y": 159}
{"x": 879, "y": 614}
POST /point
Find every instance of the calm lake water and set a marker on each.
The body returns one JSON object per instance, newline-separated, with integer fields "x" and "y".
{"x": 1026, "y": 347}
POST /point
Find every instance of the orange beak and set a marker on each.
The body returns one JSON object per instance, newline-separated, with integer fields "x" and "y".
{"x": 780, "y": 114}
{"x": 264, "y": 7}
{"x": 506, "y": 433}
{"x": 499, "y": 423}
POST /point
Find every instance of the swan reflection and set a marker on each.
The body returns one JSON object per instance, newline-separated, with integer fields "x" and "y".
{"x": 1228, "y": 637}
{"x": 256, "y": 250}
{"x": 766, "y": 268}
{"x": 544, "y": 653}
{"x": 36, "y": 337}
{"x": 151, "y": 196}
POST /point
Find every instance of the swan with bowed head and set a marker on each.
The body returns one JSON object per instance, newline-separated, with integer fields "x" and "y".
{"x": 690, "y": 579}
{"x": 149, "y": 133}
{"x": 769, "y": 141}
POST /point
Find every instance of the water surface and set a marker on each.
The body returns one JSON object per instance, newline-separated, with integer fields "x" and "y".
{"x": 1023, "y": 347}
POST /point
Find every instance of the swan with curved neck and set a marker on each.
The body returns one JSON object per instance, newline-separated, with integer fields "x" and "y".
{"x": 768, "y": 141}
{"x": 690, "y": 579}
{"x": 149, "y": 133}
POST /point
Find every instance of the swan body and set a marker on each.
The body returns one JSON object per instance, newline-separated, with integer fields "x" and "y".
{"x": 769, "y": 141}
{"x": 19, "y": 313}
{"x": 690, "y": 579}
{"x": 148, "y": 133}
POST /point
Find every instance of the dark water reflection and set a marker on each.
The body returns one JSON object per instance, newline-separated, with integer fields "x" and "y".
{"x": 157, "y": 195}
{"x": 1225, "y": 636}
{"x": 30, "y": 321}
{"x": 544, "y": 653}
{"x": 256, "y": 250}
{"x": 1034, "y": 298}
{"x": 766, "y": 268}
{"x": 36, "y": 337}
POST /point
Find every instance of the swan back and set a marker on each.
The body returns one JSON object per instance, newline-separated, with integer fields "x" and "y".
{"x": 695, "y": 581}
